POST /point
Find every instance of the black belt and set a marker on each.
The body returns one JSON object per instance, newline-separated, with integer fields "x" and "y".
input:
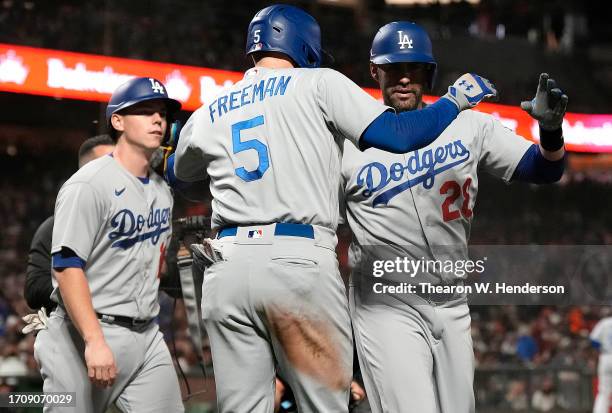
{"x": 122, "y": 321}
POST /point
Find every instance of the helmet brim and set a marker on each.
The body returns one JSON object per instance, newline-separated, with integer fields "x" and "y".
{"x": 403, "y": 58}
{"x": 172, "y": 105}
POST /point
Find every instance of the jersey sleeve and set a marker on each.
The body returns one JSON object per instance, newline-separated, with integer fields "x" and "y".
{"x": 502, "y": 149}
{"x": 79, "y": 215}
{"x": 347, "y": 108}
{"x": 597, "y": 332}
{"x": 189, "y": 162}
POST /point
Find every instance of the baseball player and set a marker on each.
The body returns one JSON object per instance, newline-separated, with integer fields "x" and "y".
{"x": 601, "y": 337}
{"x": 38, "y": 286}
{"x": 416, "y": 354}
{"x": 271, "y": 145}
{"x": 112, "y": 225}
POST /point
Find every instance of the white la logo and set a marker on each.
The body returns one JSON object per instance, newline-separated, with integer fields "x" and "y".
{"x": 404, "y": 40}
{"x": 156, "y": 86}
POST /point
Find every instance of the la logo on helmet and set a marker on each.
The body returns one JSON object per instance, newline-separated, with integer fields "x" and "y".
{"x": 156, "y": 86}
{"x": 404, "y": 40}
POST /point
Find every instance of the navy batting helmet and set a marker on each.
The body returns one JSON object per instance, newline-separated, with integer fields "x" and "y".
{"x": 403, "y": 42}
{"x": 286, "y": 29}
{"x": 137, "y": 90}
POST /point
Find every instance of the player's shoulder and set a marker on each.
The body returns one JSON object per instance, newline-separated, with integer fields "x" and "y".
{"x": 327, "y": 74}
{"x": 603, "y": 323}
{"x": 471, "y": 115}
{"x": 93, "y": 171}
{"x": 474, "y": 122}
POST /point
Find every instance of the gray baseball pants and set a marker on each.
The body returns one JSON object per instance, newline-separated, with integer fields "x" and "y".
{"x": 146, "y": 380}
{"x": 277, "y": 304}
{"x": 415, "y": 358}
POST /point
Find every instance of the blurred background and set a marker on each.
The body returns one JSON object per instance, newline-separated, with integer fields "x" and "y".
{"x": 529, "y": 358}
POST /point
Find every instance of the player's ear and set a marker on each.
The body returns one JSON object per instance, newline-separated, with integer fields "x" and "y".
{"x": 117, "y": 122}
{"x": 374, "y": 71}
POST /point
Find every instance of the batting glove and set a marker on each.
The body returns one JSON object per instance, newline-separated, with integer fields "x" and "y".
{"x": 469, "y": 90}
{"x": 36, "y": 321}
{"x": 549, "y": 104}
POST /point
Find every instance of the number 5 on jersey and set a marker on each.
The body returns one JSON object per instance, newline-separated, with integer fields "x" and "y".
{"x": 252, "y": 144}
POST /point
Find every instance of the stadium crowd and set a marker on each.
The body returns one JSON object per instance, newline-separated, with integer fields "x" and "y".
{"x": 202, "y": 35}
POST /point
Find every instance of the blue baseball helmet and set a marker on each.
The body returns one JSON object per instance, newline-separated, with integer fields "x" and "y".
{"x": 137, "y": 90}
{"x": 289, "y": 30}
{"x": 403, "y": 41}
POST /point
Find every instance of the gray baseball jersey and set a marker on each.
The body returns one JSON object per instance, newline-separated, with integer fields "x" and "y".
{"x": 272, "y": 145}
{"x": 431, "y": 191}
{"x": 602, "y": 333}
{"x": 120, "y": 227}
{"x": 416, "y": 356}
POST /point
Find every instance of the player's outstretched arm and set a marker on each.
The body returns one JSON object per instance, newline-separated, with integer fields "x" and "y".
{"x": 548, "y": 107}
{"x": 76, "y": 296}
{"x": 545, "y": 163}
{"x": 407, "y": 131}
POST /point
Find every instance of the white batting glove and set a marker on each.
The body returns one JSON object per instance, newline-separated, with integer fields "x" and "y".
{"x": 36, "y": 321}
{"x": 549, "y": 104}
{"x": 469, "y": 90}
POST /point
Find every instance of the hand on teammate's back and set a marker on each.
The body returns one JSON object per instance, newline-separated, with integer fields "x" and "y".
{"x": 549, "y": 104}
{"x": 100, "y": 361}
{"x": 469, "y": 90}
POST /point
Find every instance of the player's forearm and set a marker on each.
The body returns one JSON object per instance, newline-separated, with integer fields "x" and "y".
{"x": 536, "y": 169}
{"x": 77, "y": 300}
{"x": 552, "y": 155}
{"x": 408, "y": 131}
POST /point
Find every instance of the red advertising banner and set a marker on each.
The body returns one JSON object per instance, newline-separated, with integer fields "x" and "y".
{"x": 81, "y": 76}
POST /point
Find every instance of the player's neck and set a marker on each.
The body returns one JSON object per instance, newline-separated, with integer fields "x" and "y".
{"x": 270, "y": 62}
{"x": 134, "y": 159}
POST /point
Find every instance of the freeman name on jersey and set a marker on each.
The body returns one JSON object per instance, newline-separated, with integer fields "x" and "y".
{"x": 255, "y": 92}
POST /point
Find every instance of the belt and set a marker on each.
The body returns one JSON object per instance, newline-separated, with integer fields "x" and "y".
{"x": 122, "y": 321}
{"x": 281, "y": 229}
